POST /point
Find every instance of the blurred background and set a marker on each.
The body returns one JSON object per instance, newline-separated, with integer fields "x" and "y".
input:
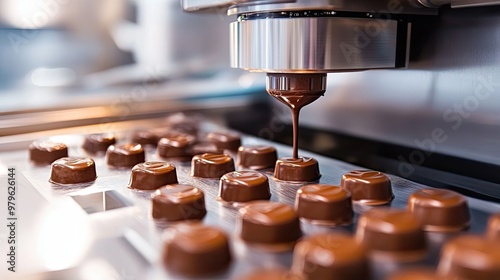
{"x": 65, "y": 63}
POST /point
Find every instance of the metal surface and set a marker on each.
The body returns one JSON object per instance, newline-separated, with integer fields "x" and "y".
{"x": 458, "y": 3}
{"x": 61, "y": 241}
{"x": 287, "y": 82}
{"x": 313, "y": 44}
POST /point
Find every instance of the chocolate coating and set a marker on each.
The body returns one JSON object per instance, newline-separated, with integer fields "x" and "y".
{"x": 257, "y": 157}
{"x": 297, "y": 170}
{"x": 244, "y": 186}
{"x": 439, "y": 210}
{"x": 493, "y": 230}
{"x": 145, "y": 137}
{"x": 331, "y": 256}
{"x": 211, "y": 165}
{"x": 151, "y": 175}
{"x": 416, "y": 274}
{"x": 470, "y": 257}
{"x": 70, "y": 170}
{"x": 176, "y": 146}
{"x": 225, "y": 140}
{"x": 194, "y": 249}
{"x": 44, "y": 152}
{"x": 125, "y": 155}
{"x": 265, "y": 222}
{"x": 324, "y": 204}
{"x": 368, "y": 187}
{"x": 389, "y": 230}
{"x": 98, "y": 143}
{"x": 178, "y": 202}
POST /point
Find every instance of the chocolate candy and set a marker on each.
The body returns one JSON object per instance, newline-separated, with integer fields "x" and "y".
{"x": 125, "y": 155}
{"x": 98, "y": 143}
{"x": 211, "y": 165}
{"x": 72, "y": 170}
{"x": 330, "y": 256}
{"x": 416, "y": 274}
{"x": 176, "y": 146}
{"x": 268, "y": 223}
{"x": 391, "y": 232}
{"x": 182, "y": 123}
{"x": 324, "y": 204}
{"x": 297, "y": 170}
{"x": 194, "y": 249}
{"x": 45, "y": 151}
{"x": 204, "y": 148}
{"x": 178, "y": 202}
{"x": 493, "y": 230}
{"x": 439, "y": 210}
{"x": 145, "y": 137}
{"x": 256, "y": 157}
{"x": 244, "y": 186}
{"x": 470, "y": 257}
{"x": 151, "y": 175}
{"x": 225, "y": 140}
{"x": 368, "y": 187}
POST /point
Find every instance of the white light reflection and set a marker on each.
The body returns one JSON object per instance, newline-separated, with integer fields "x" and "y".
{"x": 63, "y": 239}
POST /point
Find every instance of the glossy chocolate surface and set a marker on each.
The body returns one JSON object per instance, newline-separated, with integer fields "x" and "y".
{"x": 265, "y": 222}
{"x": 72, "y": 170}
{"x": 331, "y": 256}
{"x": 439, "y": 210}
{"x": 390, "y": 230}
{"x": 125, "y": 155}
{"x": 151, "y": 175}
{"x": 145, "y": 137}
{"x": 470, "y": 257}
{"x": 368, "y": 187}
{"x": 176, "y": 146}
{"x": 98, "y": 143}
{"x": 178, "y": 202}
{"x": 257, "y": 157}
{"x": 194, "y": 249}
{"x": 43, "y": 152}
{"x": 324, "y": 204}
{"x": 205, "y": 148}
{"x": 225, "y": 140}
{"x": 297, "y": 170}
{"x": 493, "y": 229}
{"x": 244, "y": 186}
{"x": 211, "y": 165}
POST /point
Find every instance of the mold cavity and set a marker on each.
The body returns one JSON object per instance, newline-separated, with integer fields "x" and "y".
{"x": 101, "y": 201}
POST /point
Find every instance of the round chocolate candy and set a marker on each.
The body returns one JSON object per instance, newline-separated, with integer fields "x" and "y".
{"x": 98, "y": 143}
{"x": 493, "y": 230}
{"x": 145, "y": 137}
{"x": 257, "y": 157}
{"x": 125, "y": 155}
{"x": 416, "y": 274}
{"x": 368, "y": 187}
{"x": 151, "y": 175}
{"x": 194, "y": 249}
{"x": 72, "y": 170}
{"x": 176, "y": 146}
{"x": 211, "y": 165}
{"x": 297, "y": 170}
{"x": 470, "y": 257}
{"x": 177, "y": 203}
{"x": 244, "y": 186}
{"x": 324, "y": 204}
{"x": 44, "y": 152}
{"x": 439, "y": 210}
{"x": 391, "y": 232}
{"x": 225, "y": 140}
{"x": 330, "y": 256}
{"x": 272, "y": 224}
